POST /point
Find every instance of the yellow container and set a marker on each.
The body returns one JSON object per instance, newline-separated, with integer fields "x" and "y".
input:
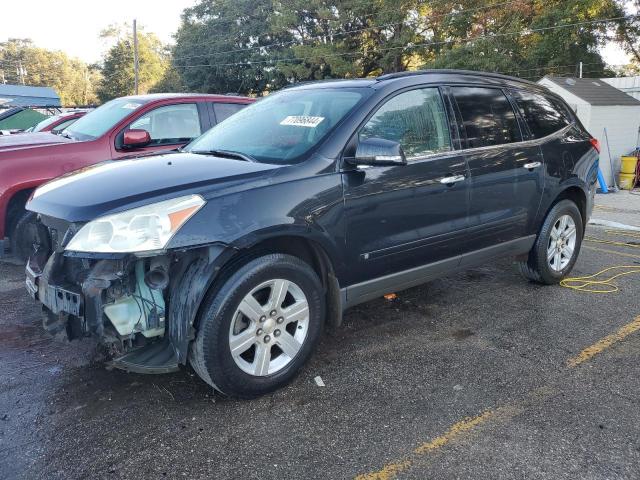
{"x": 628, "y": 165}
{"x": 626, "y": 181}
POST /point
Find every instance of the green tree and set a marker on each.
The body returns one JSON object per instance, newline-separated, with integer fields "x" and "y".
{"x": 251, "y": 46}
{"x": 255, "y": 46}
{"x": 525, "y": 38}
{"x": 72, "y": 79}
{"x": 118, "y": 68}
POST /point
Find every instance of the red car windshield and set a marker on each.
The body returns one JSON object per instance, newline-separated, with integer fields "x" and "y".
{"x": 45, "y": 123}
{"x": 96, "y": 123}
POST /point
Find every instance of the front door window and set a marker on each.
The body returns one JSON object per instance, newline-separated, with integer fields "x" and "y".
{"x": 170, "y": 124}
{"x": 416, "y": 120}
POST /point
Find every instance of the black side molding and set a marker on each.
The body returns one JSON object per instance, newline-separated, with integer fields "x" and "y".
{"x": 365, "y": 291}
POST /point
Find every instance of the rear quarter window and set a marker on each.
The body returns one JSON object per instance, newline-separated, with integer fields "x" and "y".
{"x": 543, "y": 116}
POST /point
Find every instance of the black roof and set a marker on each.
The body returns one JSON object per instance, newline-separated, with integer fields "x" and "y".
{"x": 499, "y": 76}
{"x": 594, "y": 91}
{"x": 382, "y": 79}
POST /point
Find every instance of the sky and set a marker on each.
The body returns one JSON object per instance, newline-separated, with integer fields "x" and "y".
{"x": 73, "y": 26}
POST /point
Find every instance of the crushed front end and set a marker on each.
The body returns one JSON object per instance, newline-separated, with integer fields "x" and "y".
{"x": 120, "y": 299}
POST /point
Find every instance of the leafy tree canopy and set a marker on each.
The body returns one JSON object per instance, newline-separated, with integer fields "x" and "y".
{"x": 118, "y": 68}
{"x": 254, "y": 46}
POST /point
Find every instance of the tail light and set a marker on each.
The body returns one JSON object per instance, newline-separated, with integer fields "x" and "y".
{"x": 595, "y": 143}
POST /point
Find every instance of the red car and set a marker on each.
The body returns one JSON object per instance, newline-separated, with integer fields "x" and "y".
{"x": 57, "y": 123}
{"x": 124, "y": 127}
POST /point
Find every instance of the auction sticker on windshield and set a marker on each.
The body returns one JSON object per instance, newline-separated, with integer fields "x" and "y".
{"x": 302, "y": 121}
{"x": 131, "y": 106}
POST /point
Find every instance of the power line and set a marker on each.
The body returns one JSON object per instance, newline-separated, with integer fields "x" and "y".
{"x": 384, "y": 12}
{"x": 341, "y": 34}
{"x": 416, "y": 45}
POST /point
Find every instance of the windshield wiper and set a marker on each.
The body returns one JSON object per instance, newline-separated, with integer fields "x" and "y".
{"x": 66, "y": 135}
{"x": 226, "y": 154}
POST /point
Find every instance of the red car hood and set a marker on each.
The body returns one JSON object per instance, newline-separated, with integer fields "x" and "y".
{"x": 31, "y": 139}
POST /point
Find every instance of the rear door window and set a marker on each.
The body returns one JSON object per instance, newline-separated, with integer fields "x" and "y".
{"x": 487, "y": 116}
{"x": 541, "y": 115}
{"x": 225, "y": 110}
{"x": 415, "y": 119}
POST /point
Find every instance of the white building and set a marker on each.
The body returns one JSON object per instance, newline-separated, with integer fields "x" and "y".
{"x": 598, "y": 105}
{"x": 629, "y": 85}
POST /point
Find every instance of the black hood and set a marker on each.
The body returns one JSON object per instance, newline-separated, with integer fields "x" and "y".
{"x": 118, "y": 185}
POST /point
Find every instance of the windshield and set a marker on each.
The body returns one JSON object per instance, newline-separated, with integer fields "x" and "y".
{"x": 96, "y": 123}
{"x": 44, "y": 123}
{"x": 283, "y": 127}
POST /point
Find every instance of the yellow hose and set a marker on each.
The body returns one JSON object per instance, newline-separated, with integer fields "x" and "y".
{"x": 595, "y": 284}
{"x": 624, "y": 233}
{"x": 592, "y": 284}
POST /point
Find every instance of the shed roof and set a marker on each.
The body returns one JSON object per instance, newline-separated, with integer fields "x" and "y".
{"x": 28, "y": 96}
{"x": 594, "y": 91}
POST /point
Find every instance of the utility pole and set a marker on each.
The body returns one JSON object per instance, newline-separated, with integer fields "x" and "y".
{"x": 136, "y": 63}
{"x": 21, "y": 72}
{"x": 86, "y": 84}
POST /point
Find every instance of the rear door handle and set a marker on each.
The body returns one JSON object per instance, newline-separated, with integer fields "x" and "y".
{"x": 532, "y": 165}
{"x": 452, "y": 180}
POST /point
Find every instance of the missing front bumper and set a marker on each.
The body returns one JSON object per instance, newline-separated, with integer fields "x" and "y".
{"x": 56, "y": 299}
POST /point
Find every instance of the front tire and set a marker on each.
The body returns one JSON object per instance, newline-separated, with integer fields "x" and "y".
{"x": 24, "y": 236}
{"x": 557, "y": 246}
{"x": 260, "y": 327}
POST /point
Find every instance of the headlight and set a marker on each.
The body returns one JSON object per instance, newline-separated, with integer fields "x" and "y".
{"x": 139, "y": 230}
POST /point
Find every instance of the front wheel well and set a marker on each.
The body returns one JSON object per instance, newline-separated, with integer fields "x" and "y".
{"x": 306, "y": 250}
{"x": 300, "y": 247}
{"x": 15, "y": 207}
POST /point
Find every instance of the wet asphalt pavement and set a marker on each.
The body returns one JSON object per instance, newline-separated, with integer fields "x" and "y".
{"x": 465, "y": 377}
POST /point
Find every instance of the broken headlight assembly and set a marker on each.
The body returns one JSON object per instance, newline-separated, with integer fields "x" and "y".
{"x": 142, "y": 229}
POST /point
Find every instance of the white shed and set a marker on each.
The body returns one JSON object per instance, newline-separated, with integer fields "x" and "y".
{"x": 598, "y": 105}
{"x": 629, "y": 85}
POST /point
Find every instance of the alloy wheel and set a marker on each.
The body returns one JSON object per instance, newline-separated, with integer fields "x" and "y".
{"x": 269, "y": 327}
{"x": 562, "y": 243}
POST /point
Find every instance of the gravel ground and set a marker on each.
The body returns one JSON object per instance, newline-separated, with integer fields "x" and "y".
{"x": 465, "y": 377}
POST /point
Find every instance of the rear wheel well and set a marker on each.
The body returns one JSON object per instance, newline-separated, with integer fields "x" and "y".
{"x": 577, "y": 196}
{"x": 15, "y": 207}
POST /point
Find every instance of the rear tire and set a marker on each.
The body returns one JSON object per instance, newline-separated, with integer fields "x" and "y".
{"x": 259, "y": 327}
{"x": 557, "y": 246}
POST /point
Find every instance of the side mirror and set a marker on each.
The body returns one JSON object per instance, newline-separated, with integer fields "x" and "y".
{"x": 379, "y": 152}
{"x": 136, "y": 138}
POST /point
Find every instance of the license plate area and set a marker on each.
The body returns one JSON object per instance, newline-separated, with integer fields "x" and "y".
{"x": 60, "y": 300}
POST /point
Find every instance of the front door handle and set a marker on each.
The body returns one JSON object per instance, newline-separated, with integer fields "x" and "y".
{"x": 452, "y": 180}
{"x": 532, "y": 165}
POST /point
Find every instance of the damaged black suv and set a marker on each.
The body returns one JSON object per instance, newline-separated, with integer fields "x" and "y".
{"x": 234, "y": 252}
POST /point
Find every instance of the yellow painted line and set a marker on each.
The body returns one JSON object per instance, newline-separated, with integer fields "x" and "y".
{"x": 387, "y": 472}
{"x": 391, "y": 470}
{"x": 455, "y": 431}
{"x": 604, "y": 250}
{"x": 605, "y": 343}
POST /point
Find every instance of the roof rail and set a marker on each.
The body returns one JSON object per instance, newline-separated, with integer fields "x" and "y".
{"x": 390, "y": 76}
